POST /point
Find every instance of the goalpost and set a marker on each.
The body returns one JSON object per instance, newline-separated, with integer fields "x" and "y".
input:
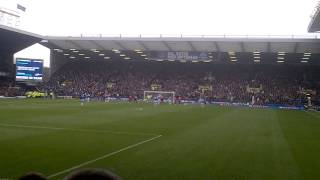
{"x": 150, "y": 96}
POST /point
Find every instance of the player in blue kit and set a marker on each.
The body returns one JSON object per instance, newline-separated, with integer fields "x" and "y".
{"x": 82, "y": 98}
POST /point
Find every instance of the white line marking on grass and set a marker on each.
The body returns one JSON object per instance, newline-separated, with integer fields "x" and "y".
{"x": 102, "y": 157}
{"x": 88, "y": 130}
{"x": 79, "y": 130}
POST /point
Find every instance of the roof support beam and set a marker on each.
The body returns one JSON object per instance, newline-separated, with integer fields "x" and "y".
{"x": 120, "y": 45}
{"x": 78, "y": 46}
{"x": 242, "y": 47}
{"x": 216, "y": 45}
{"x": 219, "y": 56}
{"x": 191, "y": 46}
{"x": 268, "y": 47}
{"x": 167, "y": 45}
{"x": 55, "y": 45}
{"x": 296, "y": 45}
{"x": 98, "y": 45}
{"x": 143, "y": 45}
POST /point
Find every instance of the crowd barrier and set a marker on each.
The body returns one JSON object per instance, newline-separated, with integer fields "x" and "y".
{"x": 272, "y": 106}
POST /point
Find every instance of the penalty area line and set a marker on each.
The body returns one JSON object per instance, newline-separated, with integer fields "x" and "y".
{"x": 102, "y": 157}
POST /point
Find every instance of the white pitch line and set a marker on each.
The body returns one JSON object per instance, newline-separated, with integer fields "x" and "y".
{"x": 102, "y": 157}
{"x": 80, "y": 130}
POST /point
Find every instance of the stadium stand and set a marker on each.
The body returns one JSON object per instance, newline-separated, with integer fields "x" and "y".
{"x": 266, "y": 70}
{"x": 286, "y": 85}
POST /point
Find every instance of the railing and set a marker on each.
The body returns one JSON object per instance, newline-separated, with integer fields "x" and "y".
{"x": 224, "y": 36}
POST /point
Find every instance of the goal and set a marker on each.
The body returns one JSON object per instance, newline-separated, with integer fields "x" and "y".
{"x": 152, "y": 96}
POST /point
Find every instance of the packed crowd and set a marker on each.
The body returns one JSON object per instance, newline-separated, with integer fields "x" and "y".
{"x": 8, "y": 88}
{"x": 264, "y": 84}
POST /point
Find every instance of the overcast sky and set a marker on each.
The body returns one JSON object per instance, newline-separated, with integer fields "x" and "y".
{"x": 188, "y": 17}
{"x": 150, "y": 17}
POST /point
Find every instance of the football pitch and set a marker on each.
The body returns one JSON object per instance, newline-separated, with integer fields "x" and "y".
{"x": 147, "y": 142}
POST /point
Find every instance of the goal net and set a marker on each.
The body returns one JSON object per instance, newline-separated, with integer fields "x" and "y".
{"x": 159, "y": 96}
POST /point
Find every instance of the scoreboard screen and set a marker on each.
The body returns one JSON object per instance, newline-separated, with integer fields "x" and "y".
{"x": 29, "y": 69}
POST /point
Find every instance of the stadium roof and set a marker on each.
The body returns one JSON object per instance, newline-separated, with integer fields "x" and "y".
{"x": 14, "y": 40}
{"x": 215, "y": 49}
{"x": 314, "y": 25}
{"x": 298, "y": 49}
{"x": 270, "y": 44}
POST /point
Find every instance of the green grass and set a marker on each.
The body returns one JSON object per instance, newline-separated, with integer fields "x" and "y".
{"x": 197, "y": 142}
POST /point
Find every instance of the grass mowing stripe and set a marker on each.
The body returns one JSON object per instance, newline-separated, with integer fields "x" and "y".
{"x": 295, "y": 166}
{"x": 80, "y": 130}
{"x": 102, "y": 157}
{"x": 301, "y": 130}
